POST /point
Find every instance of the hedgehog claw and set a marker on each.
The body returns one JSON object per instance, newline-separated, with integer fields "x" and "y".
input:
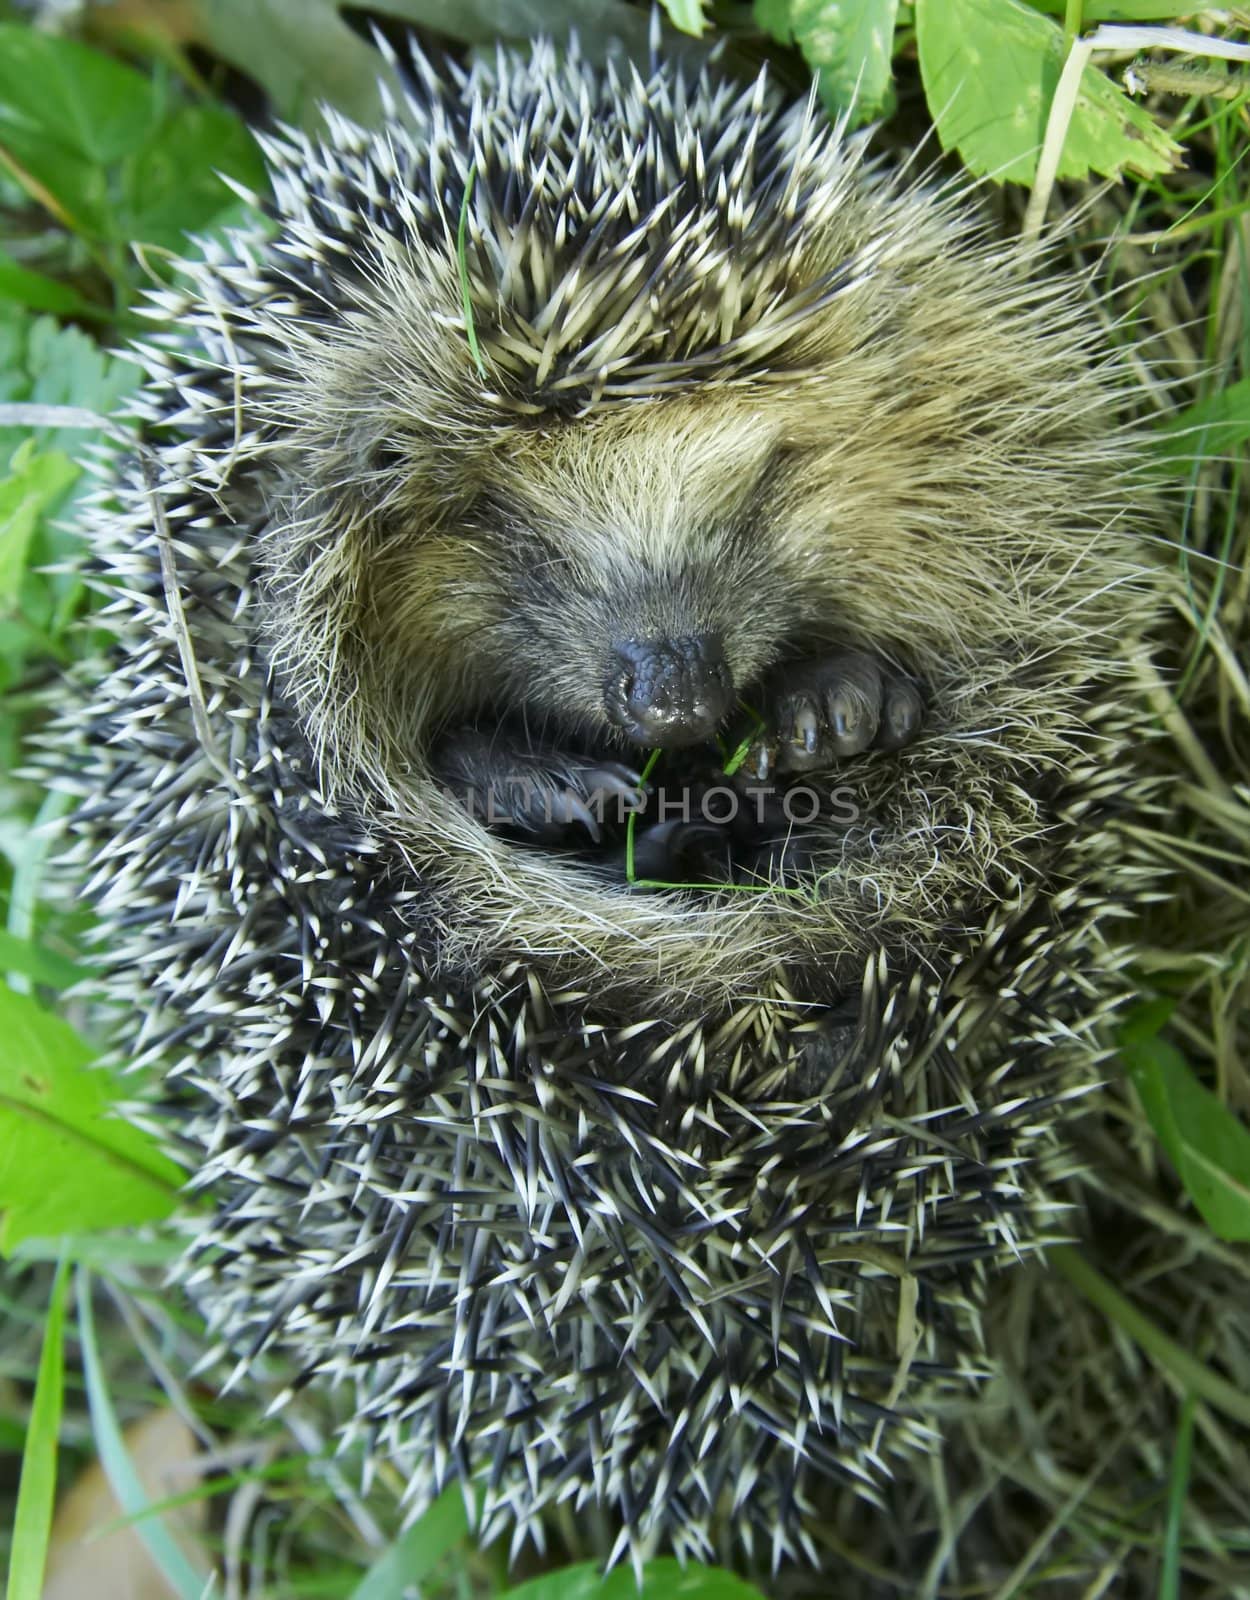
{"x": 574, "y": 809}
{"x": 507, "y": 782}
{"x": 825, "y": 710}
{"x": 760, "y": 759}
{"x": 613, "y": 778}
{"x": 901, "y": 716}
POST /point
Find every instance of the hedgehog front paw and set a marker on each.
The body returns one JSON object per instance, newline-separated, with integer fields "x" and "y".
{"x": 543, "y": 793}
{"x": 840, "y": 705}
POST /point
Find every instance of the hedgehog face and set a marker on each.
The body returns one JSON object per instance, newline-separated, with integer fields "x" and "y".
{"x": 636, "y": 571}
{"x": 543, "y": 467}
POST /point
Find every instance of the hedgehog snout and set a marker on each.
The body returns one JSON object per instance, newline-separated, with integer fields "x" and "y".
{"x": 668, "y": 692}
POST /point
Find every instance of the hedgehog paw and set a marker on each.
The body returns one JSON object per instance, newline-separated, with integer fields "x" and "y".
{"x": 818, "y": 712}
{"x": 544, "y": 794}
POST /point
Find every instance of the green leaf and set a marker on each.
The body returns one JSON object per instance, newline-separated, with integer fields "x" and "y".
{"x": 171, "y": 186}
{"x": 416, "y": 1553}
{"x": 665, "y": 1579}
{"x": 773, "y": 18}
{"x": 54, "y": 92}
{"x": 847, "y": 43}
{"x": 67, "y": 1162}
{"x": 66, "y": 114}
{"x": 35, "y": 484}
{"x": 302, "y": 52}
{"x": 124, "y": 169}
{"x": 686, "y": 15}
{"x": 36, "y": 1493}
{"x": 107, "y": 1251}
{"x": 990, "y": 68}
{"x": 35, "y": 606}
{"x": 605, "y": 26}
{"x": 45, "y": 364}
{"x": 1204, "y": 1141}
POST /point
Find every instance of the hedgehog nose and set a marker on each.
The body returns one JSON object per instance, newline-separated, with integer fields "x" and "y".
{"x": 669, "y": 692}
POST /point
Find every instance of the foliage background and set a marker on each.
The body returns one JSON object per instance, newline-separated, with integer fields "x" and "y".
{"x": 1110, "y": 1451}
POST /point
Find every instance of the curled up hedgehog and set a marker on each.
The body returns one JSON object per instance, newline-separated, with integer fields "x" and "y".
{"x": 603, "y": 800}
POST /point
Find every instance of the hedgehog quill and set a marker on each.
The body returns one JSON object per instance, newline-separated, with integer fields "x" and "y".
{"x": 544, "y": 431}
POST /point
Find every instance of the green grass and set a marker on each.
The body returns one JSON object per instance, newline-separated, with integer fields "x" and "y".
{"x": 32, "y": 1518}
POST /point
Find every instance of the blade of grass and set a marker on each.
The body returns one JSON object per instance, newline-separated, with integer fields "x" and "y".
{"x": 462, "y": 267}
{"x": 631, "y": 820}
{"x": 119, "y": 1469}
{"x": 36, "y": 1493}
{"x": 209, "y": 1488}
{"x": 1178, "y": 1490}
{"x": 28, "y": 873}
{"x": 415, "y": 1553}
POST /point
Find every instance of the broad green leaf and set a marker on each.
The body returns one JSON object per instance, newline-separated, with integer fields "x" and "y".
{"x": 603, "y": 26}
{"x": 74, "y": 190}
{"x": 171, "y": 186}
{"x": 54, "y": 92}
{"x": 990, "y": 68}
{"x": 67, "y": 367}
{"x": 1204, "y": 1141}
{"x": 43, "y": 363}
{"x": 416, "y": 1553}
{"x": 773, "y": 18}
{"x": 35, "y": 484}
{"x": 847, "y": 43}
{"x": 66, "y": 114}
{"x": 36, "y": 1493}
{"x": 67, "y": 1162}
{"x": 106, "y": 1251}
{"x": 686, "y": 15}
{"x": 664, "y": 1579}
{"x": 125, "y": 168}
{"x": 35, "y": 605}
{"x": 302, "y": 52}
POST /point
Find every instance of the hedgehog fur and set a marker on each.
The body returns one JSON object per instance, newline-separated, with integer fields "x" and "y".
{"x": 677, "y": 1200}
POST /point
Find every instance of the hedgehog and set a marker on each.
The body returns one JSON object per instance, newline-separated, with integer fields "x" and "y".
{"x": 606, "y": 798}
